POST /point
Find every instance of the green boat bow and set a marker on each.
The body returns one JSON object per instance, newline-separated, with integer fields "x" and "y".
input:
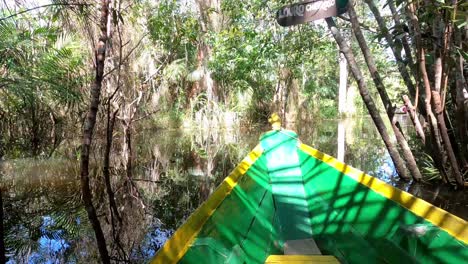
{"x": 285, "y": 192}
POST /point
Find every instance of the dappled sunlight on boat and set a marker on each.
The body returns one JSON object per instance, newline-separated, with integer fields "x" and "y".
{"x": 302, "y": 193}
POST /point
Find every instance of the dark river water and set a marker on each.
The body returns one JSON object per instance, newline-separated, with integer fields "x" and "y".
{"x": 174, "y": 172}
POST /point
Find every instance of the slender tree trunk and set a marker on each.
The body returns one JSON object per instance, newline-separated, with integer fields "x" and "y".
{"x": 399, "y": 164}
{"x": 343, "y": 85}
{"x": 462, "y": 113}
{"x": 432, "y": 100}
{"x": 403, "y": 30}
{"x": 2, "y": 232}
{"x": 34, "y": 130}
{"x": 89, "y": 124}
{"x": 407, "y": 153}
{"x": 106, "y": 167}
{"x": 430, "y": 115}
{"x": 445, "y": 137}
{"x": 414, "y": 118}
{"x": 438, "y": 45}
{"x": 442, "y": 35}
{"x": 210, "y": 20}
{"x": 437, "y": 153}
{"x": 396, "y": 52}
{"x": 280, "y": 97}
{"x": 292, "y": 105}
{"x": 128, "y": 142}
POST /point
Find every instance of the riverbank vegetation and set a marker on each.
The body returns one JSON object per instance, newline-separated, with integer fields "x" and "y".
{"x": 80, "y": 78}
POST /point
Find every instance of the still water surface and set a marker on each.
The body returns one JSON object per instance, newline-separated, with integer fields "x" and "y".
{"x": 175, "y": 171}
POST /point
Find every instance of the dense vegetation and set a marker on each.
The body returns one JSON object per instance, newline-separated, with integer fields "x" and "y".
{"x": 101, "y": 67}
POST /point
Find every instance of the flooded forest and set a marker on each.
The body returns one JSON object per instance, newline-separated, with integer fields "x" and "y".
{"x": 119, "y": 118}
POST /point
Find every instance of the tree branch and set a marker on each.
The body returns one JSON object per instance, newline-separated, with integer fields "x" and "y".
{"x": 362, "y": 25}
{"x": 126, "y": 57}
{"x": 42, "y": 6}
{"x": 147, "y": 115}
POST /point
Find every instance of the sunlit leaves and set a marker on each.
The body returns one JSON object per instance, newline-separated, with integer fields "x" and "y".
{"x": 174, "y": 29}
{"x": 176, "y": 71}
{"x": 42, "y": 72}
{"x": 38, "y": 61}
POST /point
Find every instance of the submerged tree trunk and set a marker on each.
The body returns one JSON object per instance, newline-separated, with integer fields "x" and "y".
{"x": 371, "y": 107}
{"x": 445, "y": 137}
{"x": 2, "y": 231}
{"x": 433, "y": 101}
{"x": 407, "y": 153}
{"x": 89, "y": 124}
{"x": 462, "y": 110}
{"x": 432, "y": 121}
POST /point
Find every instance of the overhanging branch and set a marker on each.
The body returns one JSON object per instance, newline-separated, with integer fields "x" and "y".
{"x": 42, "y": 6}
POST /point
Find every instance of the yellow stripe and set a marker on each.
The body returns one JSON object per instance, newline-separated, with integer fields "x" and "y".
{"x": 301, "y": 259}
{"x": 176, "y": 247}
{"x": 454, "y": 225}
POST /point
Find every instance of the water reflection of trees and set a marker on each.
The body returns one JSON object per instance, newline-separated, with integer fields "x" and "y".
{"x": 364, "y": 148}
{"x": 173, "y": 173}
{"x": 42, "y": 210}
{"x": 187, "y": 167}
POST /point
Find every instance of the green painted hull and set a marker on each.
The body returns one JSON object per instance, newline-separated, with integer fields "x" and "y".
{"x": 285, "y": 190}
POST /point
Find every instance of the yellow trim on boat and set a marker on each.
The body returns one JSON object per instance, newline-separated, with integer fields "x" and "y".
{"x": 176, "y": 247}
{"x": 452, "y": 224}
{"x": 301, "y": 259}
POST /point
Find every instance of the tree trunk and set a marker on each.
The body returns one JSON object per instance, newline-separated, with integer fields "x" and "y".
{"x": 402, "y": 29}
{"x": 414, "y": 118}
{"x": 438, "y": 156}
{"x": 280, "y": 97}
{"x": 407, "y": 154}
{"x": 462, "y": 113}
{"x": 292, "y": 105}
{"x": 210, "y": 20}
{"x": 396, "y": 52}
{"x": 34, "y": 130}
{"x": 128, "y": 144}
{"x": 445, "y": 137}
{"x": 430, "y": 115}
{"x": 106, "y": 166}
{"x": 398, "y": 162}
{"x": 206, "y": 83}
{"x": 343, "y": 85}
{"x": 3, "y": 258}
{"x": 89, "y": 124}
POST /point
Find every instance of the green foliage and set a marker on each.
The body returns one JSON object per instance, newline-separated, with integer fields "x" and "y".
{"x": 40, "y": 58}
{"x": 328, "y": 108}
{"x": 250, "y": 52}
{"x": 173, "y": 29}
{"x": 429, "y": 170}
{"x": 42, "y": 73}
